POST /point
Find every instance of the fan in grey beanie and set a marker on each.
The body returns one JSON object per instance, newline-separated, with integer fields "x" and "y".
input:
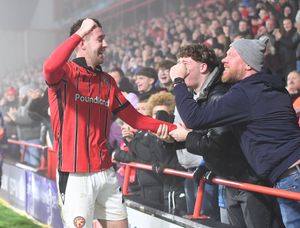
{"x": 252, "y": 51}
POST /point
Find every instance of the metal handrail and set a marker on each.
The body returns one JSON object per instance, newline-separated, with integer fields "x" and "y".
{"x": 26, "y": 144}
{"x": 23, "y": 143}
{"x": 198, "y": 204}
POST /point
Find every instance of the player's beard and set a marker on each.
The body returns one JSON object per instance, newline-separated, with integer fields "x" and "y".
{"x": 99, "y": 57}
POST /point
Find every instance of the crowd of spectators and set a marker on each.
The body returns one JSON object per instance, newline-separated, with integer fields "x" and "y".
{"x": 147, "y": 43}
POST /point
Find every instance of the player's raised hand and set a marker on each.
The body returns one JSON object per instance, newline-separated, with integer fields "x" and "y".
{"x": 86, "y": 27}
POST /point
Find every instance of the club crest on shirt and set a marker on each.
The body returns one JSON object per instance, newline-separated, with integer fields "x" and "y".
{"x": 106, "y": 81}
{"x": 79, "y": 222}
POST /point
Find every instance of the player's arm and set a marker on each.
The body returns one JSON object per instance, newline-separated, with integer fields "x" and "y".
{"x": 53, "y": 66}
{"x": 138, "y": 121}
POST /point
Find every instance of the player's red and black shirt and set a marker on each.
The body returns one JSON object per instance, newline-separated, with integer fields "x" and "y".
{"x": 81, "y": 102}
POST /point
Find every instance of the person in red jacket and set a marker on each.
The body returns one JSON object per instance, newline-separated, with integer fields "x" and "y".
{"x": 82, "y": 98}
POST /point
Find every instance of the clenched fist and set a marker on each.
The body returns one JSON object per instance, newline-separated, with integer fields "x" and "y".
{"x": 86, "y": 27}
{"x": 178, "y": 71}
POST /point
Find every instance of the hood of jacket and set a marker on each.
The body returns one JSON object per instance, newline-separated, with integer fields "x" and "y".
{"x": 212, "y": 79}
{"x": 273, "y": 81}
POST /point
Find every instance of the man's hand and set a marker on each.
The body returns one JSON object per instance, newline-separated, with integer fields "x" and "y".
{"x": 113, "y": 156}
{"x": 199, "y": 173}
{"x": 163, "y": 133}
{"x": 180, "y": 133}
{"x": 12, "y": 112}
{"x": 86, "y": 27}
{"x": 127, "y": 132}
{"x": 277, "y": 34}
{"x": 178, "y": 71}
{"x": 3, "y": 101}
{"x": 34, "y": 93}
{"x": 158, "y": 168}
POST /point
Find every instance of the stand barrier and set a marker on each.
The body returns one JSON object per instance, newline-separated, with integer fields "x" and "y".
{"x": 197, "y": 210}
{"x": 24, "y": 146}
{"x": 52, "y": 161}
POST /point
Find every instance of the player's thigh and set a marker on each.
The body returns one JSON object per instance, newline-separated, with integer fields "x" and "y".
{"x": 110, "y": 205}
{"x": 76, "y": 199}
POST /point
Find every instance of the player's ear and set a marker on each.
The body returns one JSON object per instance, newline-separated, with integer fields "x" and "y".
{"x": 81, "y": 45}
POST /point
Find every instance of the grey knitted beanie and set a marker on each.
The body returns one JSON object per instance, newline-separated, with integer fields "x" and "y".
{"x": 251, "y": 51}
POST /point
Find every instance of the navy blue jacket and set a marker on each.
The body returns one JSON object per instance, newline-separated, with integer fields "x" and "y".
{"x": 260, "y": 112}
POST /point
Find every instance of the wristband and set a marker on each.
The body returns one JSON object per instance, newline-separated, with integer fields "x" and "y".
{"x": 178, "y": 81}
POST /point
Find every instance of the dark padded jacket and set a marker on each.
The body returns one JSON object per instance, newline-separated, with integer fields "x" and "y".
{"x": 218, "y": 146}
{"x": 141, "y": 150}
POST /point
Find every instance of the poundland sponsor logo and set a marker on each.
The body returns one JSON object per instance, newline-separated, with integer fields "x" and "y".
{"x": 93, "y": 100}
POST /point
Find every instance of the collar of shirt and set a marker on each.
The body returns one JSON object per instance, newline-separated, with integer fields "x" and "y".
{"x": 81, "y": 62}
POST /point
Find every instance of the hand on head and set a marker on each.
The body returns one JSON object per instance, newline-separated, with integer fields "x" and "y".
{"x": 86, "y": 27}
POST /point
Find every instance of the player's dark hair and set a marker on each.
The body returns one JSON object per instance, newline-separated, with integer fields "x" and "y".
{"x": 78, "y": 24}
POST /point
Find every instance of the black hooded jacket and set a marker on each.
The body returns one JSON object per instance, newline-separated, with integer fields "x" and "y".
{"x": 141, "y": 150}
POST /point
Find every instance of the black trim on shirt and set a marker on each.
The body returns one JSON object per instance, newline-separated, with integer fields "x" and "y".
{"x": 76, "y": 123}
{"x": 81, "y": 62}
{"x": 121, "y": 107}
{"x": 88, "y": 132}
{"x": 106, "y": 114}
{"x": 52, "y": 85}
{"x": 61, "y": 120}
{"x": 55, "y": 84}
{"x": 118, "y": 100}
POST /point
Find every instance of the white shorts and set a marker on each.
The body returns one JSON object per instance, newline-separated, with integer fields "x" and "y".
{"x": 88, "y": 196}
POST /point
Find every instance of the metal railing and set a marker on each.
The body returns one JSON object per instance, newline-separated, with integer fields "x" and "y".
{"x": 198, "y": 204}
{"x": 43, "y": 162}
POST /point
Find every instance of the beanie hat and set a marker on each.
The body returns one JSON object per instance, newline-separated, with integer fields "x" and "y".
{"x": 251, "y": 51}
{"x": 147, "y": 72}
